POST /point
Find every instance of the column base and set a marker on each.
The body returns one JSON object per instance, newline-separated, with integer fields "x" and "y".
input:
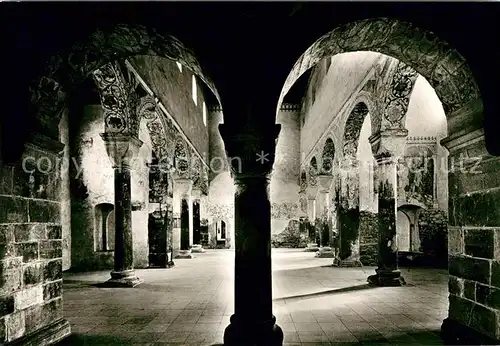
{"x": 125, "y": 278}
{"x": 184, "y": 254}
{"x": 456, "y": 333}
{"x": 311, "y": 247}
{"x": 387, "y": 278}
{"x": 325, "y": 252}
{"x": 48, "y": 335}
{"x": 350, "y": 263}
{"x": 244, "y": 333}
{"x": 197, "y": 249}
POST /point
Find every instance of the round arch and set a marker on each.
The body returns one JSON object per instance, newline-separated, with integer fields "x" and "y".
{"x": 352, "y": 129}
{"x": 444, "y": 68}
{"x": 313, "y": 171}
{"x": 328, "y": 156}
{"x": 49, "y": 92}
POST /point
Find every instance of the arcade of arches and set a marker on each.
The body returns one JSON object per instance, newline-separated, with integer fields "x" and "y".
{"x": 379, "y": 165}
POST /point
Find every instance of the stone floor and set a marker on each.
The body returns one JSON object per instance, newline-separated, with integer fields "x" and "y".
{"x": 314, "y": 303}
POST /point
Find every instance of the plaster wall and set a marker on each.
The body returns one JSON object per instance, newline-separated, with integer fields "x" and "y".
{"x": 174, "y": 88}
{"x": 284, "y": 187}
{"x": 329, "y": 92}
{"x": 426, "y": 117}
{"x": 93, "y": 183}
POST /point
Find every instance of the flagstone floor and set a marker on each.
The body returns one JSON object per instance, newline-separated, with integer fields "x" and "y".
{"x": 314, "y": 303}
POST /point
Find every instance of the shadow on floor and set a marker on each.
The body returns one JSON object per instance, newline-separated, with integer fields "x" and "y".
{"x": 409, "y": 338}
{"x": 326, "y": 293}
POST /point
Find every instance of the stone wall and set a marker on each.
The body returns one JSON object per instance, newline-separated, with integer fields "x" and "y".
{"x": 31, "y": 247}
{"x": 174, "y": 89}
{"x": 473, "y": 239}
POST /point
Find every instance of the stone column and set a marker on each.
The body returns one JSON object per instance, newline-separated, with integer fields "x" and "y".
{"x": 121, "y": 149}
{"x": 253, "y": 322}
{"x": 387, "y": 147}
{"x": 349, "y": 215}
{"x": 311, "y": 193}
{"x": 196, "y": 195}
{"x": 182, "y": 201}
{"x": 323, "y": 211}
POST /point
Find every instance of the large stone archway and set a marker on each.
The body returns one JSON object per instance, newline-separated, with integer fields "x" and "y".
{"x": 49, "y": 93}
{"x": 452, "y": 79}
{"x": 444, "y": 68}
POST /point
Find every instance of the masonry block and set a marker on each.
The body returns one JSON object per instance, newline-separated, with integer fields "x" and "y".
{"x": 54, "y": 232}
{"x": 484, "y": 320}
{"x": 52, "y": 290}
{"x": 475, "y": 269}
{"x": 29, "y": 232}
{"x": 483, "y": 203}
{"x": 28, "y": 251}
{"x": 10, "y": 281}
{"x": 455, "y": 285}
{"x": 7, "y": 250}
{"x": 53, "y": 271}
{"x": 456, "y": 243}
{"x": 479, "y": 243}
{"x": 489, "y": 296}
{"x": 460, "y": 309}
{"x": 44, "y": 211}
{"x": 7, "y": 234}
{"x": 39, "y": 316}
{"x": 11, "y": 263}
{"x": 51, "y": 249}
{"x": 5, "y": 179}
{"x": 33, "y": 273}
{"x": 6, "y": 305}
{"x": 495, "y": 273}
{"x": 13, "y": 209}
{"x": 470, "y": 289}
{"x": 3, "y": 333}
{"x": 28, "y": 297}
{"x": 14, "y": 325}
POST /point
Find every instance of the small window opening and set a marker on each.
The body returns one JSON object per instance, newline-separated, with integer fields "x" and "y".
{"x": 204, "y": 114}
{"x": 195, "y": 91}
{"x": 104, "y": 224}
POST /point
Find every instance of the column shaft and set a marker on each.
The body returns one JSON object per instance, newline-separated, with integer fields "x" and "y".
{"x": 121, "y": 149}
{"x": 387, "y": 271}
{"x": 124, "y": 259}
{"x": 253, "y": 321}
{"x": 311, "y": 215}
{"x": 185, "y": 223}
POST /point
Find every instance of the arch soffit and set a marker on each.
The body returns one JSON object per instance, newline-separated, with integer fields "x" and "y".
{"x": 444, "y": 68}
{"x": 49, "y": 91}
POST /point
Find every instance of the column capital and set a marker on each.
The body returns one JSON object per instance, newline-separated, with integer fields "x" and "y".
{"x": 325, "y": 182}
{"x": 250, "y": 148}
{"x": 196, "y": 193}
{"x": 311, "y": 192}
{"x": 388, "y": 143}
{"x": 121, "y": 148}
{"x": 183, "y": 186}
